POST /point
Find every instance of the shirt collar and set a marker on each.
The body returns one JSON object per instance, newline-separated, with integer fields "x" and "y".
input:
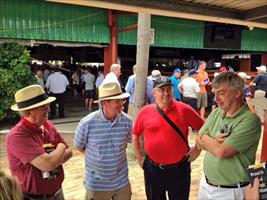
{"x": 103, "y": 118}
{"x": 237, "y": 113}
{"x": 172, "y": 105}
{"x": 29, "y": 125}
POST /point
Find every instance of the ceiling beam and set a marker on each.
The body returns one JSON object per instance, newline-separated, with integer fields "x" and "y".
{"x": 163, "y": 12}
{"x": 256, "y": 13}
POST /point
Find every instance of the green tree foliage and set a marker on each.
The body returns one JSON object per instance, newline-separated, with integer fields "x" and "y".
{"x": 15, "y": 73}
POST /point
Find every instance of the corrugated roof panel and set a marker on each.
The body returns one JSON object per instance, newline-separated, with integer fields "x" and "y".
{"x": 36, "y": 19}
{"x": 128, "y": 37}
{"x": 168, "y": 32}
{"x": 254, "y": 40}
{"x": 173, "y": 32}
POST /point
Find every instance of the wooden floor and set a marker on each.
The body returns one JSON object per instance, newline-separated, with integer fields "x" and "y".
{"x": 74, "y": 172}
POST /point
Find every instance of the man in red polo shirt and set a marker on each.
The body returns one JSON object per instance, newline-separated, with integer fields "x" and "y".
{"x": 35, "y": 149}
{"x": 167, "y": 163}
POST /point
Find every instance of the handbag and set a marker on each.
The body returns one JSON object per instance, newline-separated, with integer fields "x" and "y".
{"x": 170, "y": 122}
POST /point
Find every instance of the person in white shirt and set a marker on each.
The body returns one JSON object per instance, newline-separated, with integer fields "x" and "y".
{"x": 113, "y": 75}
{"x": 56, "y": 85}
{"x": 99, "y": 78}
{"x": 89, "y": 91}
{"x": 189, "y": 88}
{"x": 39, "y": 76}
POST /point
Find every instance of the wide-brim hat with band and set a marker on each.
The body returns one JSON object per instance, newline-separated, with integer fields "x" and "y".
{"x": 31, "y": 97}
{"x": 110, "y": 91}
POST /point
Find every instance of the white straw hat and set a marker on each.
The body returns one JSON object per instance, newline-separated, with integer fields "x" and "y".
{"x": 31, "y": 97}
{"x": 155, "y": 74}
{"x": 111, "y": 91}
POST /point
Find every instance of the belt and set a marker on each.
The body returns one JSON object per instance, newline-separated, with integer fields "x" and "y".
{"x": 237, "y": 185}
{"x": 42, "y": 196}
{"x": 166, "y": 166}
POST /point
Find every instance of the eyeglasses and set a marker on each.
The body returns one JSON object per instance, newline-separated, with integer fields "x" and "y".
{"x": 163, "y": 90}
{"x": 44, "y": 107}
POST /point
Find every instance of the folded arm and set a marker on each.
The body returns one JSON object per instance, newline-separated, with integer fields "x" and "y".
{"x": 50, "y": 161}
{"x": 215, "y": 146}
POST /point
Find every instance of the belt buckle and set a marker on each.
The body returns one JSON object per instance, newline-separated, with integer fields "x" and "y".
{"x": 161, "y": 166}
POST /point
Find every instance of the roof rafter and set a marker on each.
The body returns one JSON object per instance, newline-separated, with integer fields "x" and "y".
{"x": 186, "y": 11}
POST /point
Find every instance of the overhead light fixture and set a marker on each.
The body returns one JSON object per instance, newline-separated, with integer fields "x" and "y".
{"x": 250, "y": 28}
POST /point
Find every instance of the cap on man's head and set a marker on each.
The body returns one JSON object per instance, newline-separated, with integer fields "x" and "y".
{"x": 155, "y": 74}
{"x": 222, "y": 69}
{"x": 161, "y": 81}
{"x": 261, "y": 68}
{"x": 244, "y": 75}
{"x": 192, "y": 71}
{"x": 216, "y": 74}
{"x": 176, "y": 70}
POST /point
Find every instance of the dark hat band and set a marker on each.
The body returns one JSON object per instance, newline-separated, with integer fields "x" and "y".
{"x": 110, "y": 95}
{"x": 32, "y": 101}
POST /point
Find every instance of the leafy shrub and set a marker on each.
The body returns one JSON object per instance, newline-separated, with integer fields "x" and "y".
{"x": 15, "y": 73}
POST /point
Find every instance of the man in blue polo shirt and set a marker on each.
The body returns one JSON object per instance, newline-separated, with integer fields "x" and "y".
{"x": 175, "y": 79}
{"x": 103, "y": 136}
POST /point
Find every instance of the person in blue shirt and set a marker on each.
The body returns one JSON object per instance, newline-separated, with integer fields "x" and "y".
{"x": 175, "y": 79}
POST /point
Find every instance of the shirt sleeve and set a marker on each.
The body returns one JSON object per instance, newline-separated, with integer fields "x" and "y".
{"x": 256, "y": 79}
{"x": 245, "y": 134}
{"x": 129, "y": 85}
{"x": 193, "y": 118}
{"x": 24, "y": 148}
{"x": 138, "y": 127}
{"x": 81, "y": 136}
{"x": 206, "y": 125}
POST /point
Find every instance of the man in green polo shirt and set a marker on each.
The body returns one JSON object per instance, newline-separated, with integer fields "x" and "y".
{"x": 230, "y": 138}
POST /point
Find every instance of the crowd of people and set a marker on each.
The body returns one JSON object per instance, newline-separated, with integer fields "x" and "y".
{"x": 230, "y": 136}
{"x": 56, "y": 81}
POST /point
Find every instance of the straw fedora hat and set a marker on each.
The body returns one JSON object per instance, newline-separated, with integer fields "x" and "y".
{"x": 111, "y": 91}
{"x": 260, "y": 102}
{"x": 31, "y": 97}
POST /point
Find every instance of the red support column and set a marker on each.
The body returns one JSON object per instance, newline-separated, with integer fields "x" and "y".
{"x": 264, "y": 59}
{"x": 107, "y": 59}
{"x": 110, "y": 52}
{"x": 264, "y": 139}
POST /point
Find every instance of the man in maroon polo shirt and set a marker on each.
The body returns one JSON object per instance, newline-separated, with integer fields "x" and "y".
{"x": 167, "y": 163}
{"x": 35, "y": 149}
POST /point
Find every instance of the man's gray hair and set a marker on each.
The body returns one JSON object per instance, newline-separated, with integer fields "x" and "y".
{"x": 114, "y": 67}
{"x": 202, "y": 62}
{"x": 22, "y": 113}
{"x": 134, "y": 68}
{"x": 231, "y": 79}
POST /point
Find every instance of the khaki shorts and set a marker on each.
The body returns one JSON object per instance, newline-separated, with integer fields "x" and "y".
{"x": 123, "y": 193}
{"x": 202, "y": 100}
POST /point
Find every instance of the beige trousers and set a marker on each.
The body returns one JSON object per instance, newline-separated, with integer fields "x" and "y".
{"x": 123, "y": 193}
{"x": 259, "y": 111}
